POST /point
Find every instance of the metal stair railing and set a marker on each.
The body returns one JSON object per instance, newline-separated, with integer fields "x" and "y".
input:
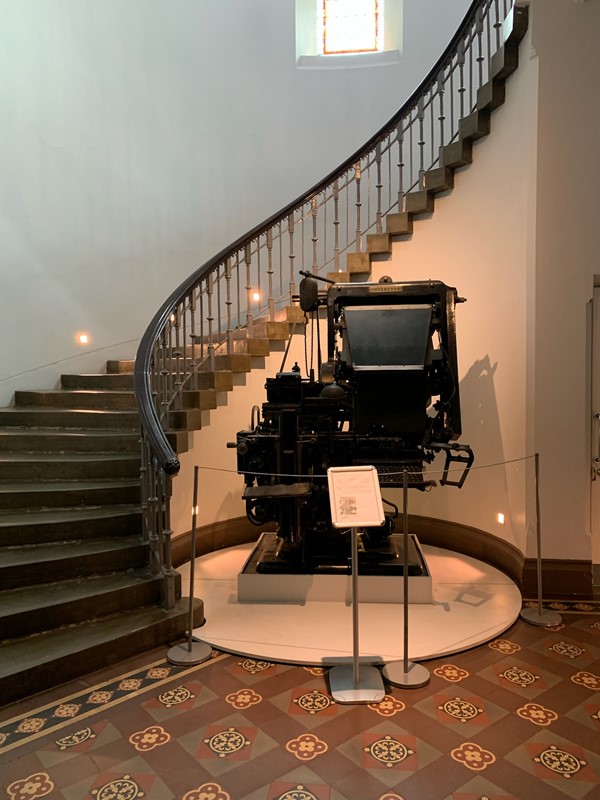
{"x": 256, "y": 276}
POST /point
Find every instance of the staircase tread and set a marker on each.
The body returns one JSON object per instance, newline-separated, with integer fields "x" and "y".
{"x": 65, "y": 514}
{"x": 45, "y": 648}
{"x": 13, "y": 601}
{"x": 6, "y": 487}
{"x": 97, "y": 433}
{"x": 13, "y": 556}
{"x": 11, "y": 457}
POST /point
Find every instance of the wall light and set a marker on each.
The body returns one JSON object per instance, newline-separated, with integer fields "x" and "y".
{"x": 500, "y": 518}
{"x": 82, "y": 338}
{"x": 256, "y": 296}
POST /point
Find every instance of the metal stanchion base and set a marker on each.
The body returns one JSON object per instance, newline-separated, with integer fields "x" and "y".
{"x": 413, "y": 677}
{"x": 182, "y": 655}
{"x": 541, "y": 616}
{"x": 369, "y": 689}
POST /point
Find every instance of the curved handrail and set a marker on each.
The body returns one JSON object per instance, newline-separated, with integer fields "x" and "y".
{"x": 398, "y": 169}
{"x": 164, "y": 455}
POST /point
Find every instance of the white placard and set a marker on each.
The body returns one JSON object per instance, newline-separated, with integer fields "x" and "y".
{"x": 355, "y": 497}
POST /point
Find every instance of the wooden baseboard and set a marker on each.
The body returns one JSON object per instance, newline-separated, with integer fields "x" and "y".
{"x": 469, "y": 541}
{"x": 561, "y": 578}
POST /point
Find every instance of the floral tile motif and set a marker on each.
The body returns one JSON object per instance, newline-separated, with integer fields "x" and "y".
{"x": 519, "y": 677}
{"x": 76, "y": 739}
{"x": 587, "y": 679}
{"x": 562, "y": 763}
{"x": 228, "y": 743}
{"x": 306, "y": 747}
{"x": 388, "y": 706}
{"x": 566, "y": 649}
{"x": 31, "y": 787}
{"x": 121, "y": 787}
{"x": 298, "y": 791}
{"x": 254, "y": 666}
{"x": 539, "y": 715}
{"x": 243, "y": 698}
{"x": 390, "y": 796}
{"x": 459, "y": 710}
{"x": 176, "y": 696}
{"x": 312, "y": 702}
{"x": 149, "y": 738}
{"x": 504, "y": 646}
{"x": 451, "y": 673}
{"x": 473, "y": 756}
{"x": 208, "y": 791}
{"x": 90, "y": 701}
{"x": 315, "y": 670}
{"x": 388, "y": 751}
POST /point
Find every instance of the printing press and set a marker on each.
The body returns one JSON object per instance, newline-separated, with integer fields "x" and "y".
{"x": 386, "y": 395}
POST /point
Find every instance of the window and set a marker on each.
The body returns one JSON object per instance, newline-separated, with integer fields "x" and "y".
{"x": 349, "y": 26}
{"x": 338, "y": 34}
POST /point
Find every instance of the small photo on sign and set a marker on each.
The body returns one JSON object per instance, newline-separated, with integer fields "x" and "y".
{"x": 348, "y": 506}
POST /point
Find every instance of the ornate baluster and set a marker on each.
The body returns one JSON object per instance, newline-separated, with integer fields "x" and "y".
{"x": 314, "y": 238}
{"x": 400, "y": 139}
{"x": 238, "y": 317}
{"x": 271, "y": 299}
{"x": 258, "y": 275}
{"x": 194, "y": 347}
{"x": 169, "y": 573}
{"x": 440, "y": 94}
{"x": 358, "y": 204}
{"x": 177, "y": 377}
{"x": 209, "y": 319}
{"x": 292, "y": 285}
{"x": 228, "y": 304}
{"x": 336, "y": 225}
{"x": 248, "y": 262}
{"x": 480, "y": 57}
{"x": 378, "y": 187}
{"x": 461, "y": 77}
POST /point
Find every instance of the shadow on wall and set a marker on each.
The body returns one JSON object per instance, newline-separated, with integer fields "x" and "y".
{"x": 487, "y": 489}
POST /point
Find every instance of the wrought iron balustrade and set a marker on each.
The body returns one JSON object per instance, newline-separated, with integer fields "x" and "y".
{"x": 257, "y": 275}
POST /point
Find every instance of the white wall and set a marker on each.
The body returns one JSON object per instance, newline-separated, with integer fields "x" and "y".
{"x": 517, "y": 237}
{"x": 139, "y": 137}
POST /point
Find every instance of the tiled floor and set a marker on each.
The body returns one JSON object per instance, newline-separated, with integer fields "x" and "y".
{"x": 516, "y": 718}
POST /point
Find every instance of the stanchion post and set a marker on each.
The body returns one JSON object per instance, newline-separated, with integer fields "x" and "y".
{"x": 194, "y": 652}
{"x": 405, "y": 673}
{"x": 545, "y": 618}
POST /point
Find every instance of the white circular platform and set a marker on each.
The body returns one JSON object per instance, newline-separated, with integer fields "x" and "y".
{"x": 472, "y": 604}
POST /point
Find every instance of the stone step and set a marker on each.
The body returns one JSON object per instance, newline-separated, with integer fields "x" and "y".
{"x": 30, "y": 565}
{"x": 379, "y": 244}
{"x": 46, "y": 526}
{"x": 120, "y": 366}
{"x": 399, "y": 224}
{"x": 67, "y": 466}
{"x": 82, "y": 398}
{"x": 419, "y": 202}
{"x": 50, "y": 440}
{"x": 30, "y": 610}
{"x": 220, "y": 380}
{"x": 275, "y": 331}
{"x": 204, "y": 399}
{"x": 111, "y": 381}
{"x": 65, "y": 494}
{"x": 440, "y": 179}
{"x": 234, "y": 363}
{"x": 39, "y": 417}
{"x": 35, "y": 663}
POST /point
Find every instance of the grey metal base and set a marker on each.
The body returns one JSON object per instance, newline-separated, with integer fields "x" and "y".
{"x": 344, "y": 689}
{"x": 541, "y": 616}
{"x": 413, "y": 677}
{"x": 182, "y": 655}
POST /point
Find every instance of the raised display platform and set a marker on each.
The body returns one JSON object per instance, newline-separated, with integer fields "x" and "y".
{"x": 260, "y": 587}
{"x": 472, "y": 603}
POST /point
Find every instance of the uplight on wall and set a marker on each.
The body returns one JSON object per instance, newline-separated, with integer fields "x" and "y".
{"x": 82, "y": 338}
{"x": 500, "y": 518}
{"x": 256, "y": 296}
